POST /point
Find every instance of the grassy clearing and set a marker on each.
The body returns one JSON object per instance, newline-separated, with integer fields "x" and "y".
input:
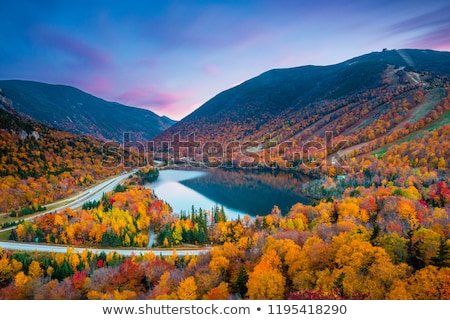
{"x": 434, "y": 98}
{"x": 443, "y": 120}
{"x": 366, "y": 122}
{"x": 372, "y": 116}
{"x": 7, "y": 218}
{"x": 58, "y": 205}
{"x": 5, "y": 235}
{"x": 408, "y": 138}
{"x": 51, "y": 207}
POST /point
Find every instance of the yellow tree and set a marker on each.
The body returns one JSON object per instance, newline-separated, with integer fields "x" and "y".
{"x": 8, "y": 269}
{"x": 21, "y": 279}
{"x": 399, "y": 291}
{"x": 267, "y": 282}
{"x": 74, "y": 261}
{"x": 425, "y": 283}
{"x": 407, "y": 210}
{"x": 187, "y": 289}
{"x": 177, "y": 233}
{"x": 123, "y": 295}
{"x": 162, "y": 289}
{"x": 21, "y": 232}
{"x": 300, "y": 262}
{"x": 219, "y": 263}
{"x": 35, "y": 270}
{"x": 367, "y": 269}
{"x": 349, "y": 208}
{"x": 325, "y": 211}
{"x": 281, "y": 246}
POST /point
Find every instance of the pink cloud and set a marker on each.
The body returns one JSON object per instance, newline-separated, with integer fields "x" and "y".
{"x": 438, "y": 40}
{"x": 155, "y": 99}
{"x": 432, "y": 29}
{"x": 148, "y": 96}
{"x": 85, "y": 54}
{"x": 97, "y": 85}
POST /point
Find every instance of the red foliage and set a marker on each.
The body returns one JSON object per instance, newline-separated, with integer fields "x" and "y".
{"x": 423, "y": 203}
{"x": 78, "y": 279}
{"x": 157, "y": 205}
{"x": 394, "y": 227}
{"x": 129, "y": 276}
{"x": 320, "y": 295}
{"x": 100, "y": 263}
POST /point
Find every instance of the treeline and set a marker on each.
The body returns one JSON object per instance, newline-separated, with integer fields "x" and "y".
{"x": 384, "y": 235}
{"x": 191, "y": 228}
{"x": 147, "y": 175}
{"x": 120, "y": 218}
{"x": 421, "y": 163}
{"x": 27, "y": 210}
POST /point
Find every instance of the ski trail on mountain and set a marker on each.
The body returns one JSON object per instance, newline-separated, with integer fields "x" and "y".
{"x": 405, "y": 56}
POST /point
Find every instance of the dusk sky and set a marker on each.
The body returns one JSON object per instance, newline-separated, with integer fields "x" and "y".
{"x": 172, "y": 56}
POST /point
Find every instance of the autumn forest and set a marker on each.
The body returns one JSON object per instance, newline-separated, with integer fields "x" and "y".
{"x": 376, "y": 224}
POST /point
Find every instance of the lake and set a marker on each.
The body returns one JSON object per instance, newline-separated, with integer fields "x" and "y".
{"x": 241, "y": 192}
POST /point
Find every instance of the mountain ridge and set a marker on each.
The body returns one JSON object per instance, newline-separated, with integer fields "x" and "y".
{"x": 283, "y": 102}
{"x": 71, "y": 109}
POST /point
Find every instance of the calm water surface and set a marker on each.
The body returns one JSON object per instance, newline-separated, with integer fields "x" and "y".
{"x": 240, "y": 192}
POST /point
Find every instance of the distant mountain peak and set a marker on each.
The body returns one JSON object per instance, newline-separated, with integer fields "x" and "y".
{"x": 67, "y": 108}
{"x": 169, "y": 120}
{"x": 283, "y": 102}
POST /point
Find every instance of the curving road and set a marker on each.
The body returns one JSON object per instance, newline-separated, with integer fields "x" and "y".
{"x": 123, "y": 252}
{"x": 94, "y": 193}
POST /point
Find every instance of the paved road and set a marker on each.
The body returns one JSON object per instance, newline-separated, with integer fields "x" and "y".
{"x": 123, "y": 252}
{"x": 95, "y": 193}
{"x": 91, "y": 194}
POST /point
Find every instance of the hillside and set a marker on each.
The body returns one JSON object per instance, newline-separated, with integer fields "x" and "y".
{"x": 383, "y": 233}
{"x": 359, "y": 100}
{"x": 69, "y": 109}
{"x": 39, "y": 165}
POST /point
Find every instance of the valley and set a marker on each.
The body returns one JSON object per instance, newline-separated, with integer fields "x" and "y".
{"x": 323, "y": 182}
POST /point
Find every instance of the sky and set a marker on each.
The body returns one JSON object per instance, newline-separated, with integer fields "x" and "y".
{"x": 172, "y": 56}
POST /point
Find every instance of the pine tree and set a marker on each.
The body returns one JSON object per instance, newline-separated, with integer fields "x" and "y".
{"x": 415, "y": 258}
{"x": 442, "y": 258}
{"x": 223, "y": 216}
{"x": 240, "y": 286}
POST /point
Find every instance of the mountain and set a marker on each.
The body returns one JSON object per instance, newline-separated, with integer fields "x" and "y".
{"x": 347, "y": 98}
{"x": 40, "y": 164}
{"x": 70, "y": 109}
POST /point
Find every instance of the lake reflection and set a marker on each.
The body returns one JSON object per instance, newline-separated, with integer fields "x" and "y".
{"x": 240, "y": 192}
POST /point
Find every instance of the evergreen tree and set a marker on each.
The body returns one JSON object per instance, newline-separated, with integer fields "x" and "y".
{"x": 375, "y": 234}
{"x": 240, "y": 286}
{"x": 166, "y": 233}
{"x": 415, "y": 258}
{"x": 442, "y": 258}
{"x": 223, "y": 216}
